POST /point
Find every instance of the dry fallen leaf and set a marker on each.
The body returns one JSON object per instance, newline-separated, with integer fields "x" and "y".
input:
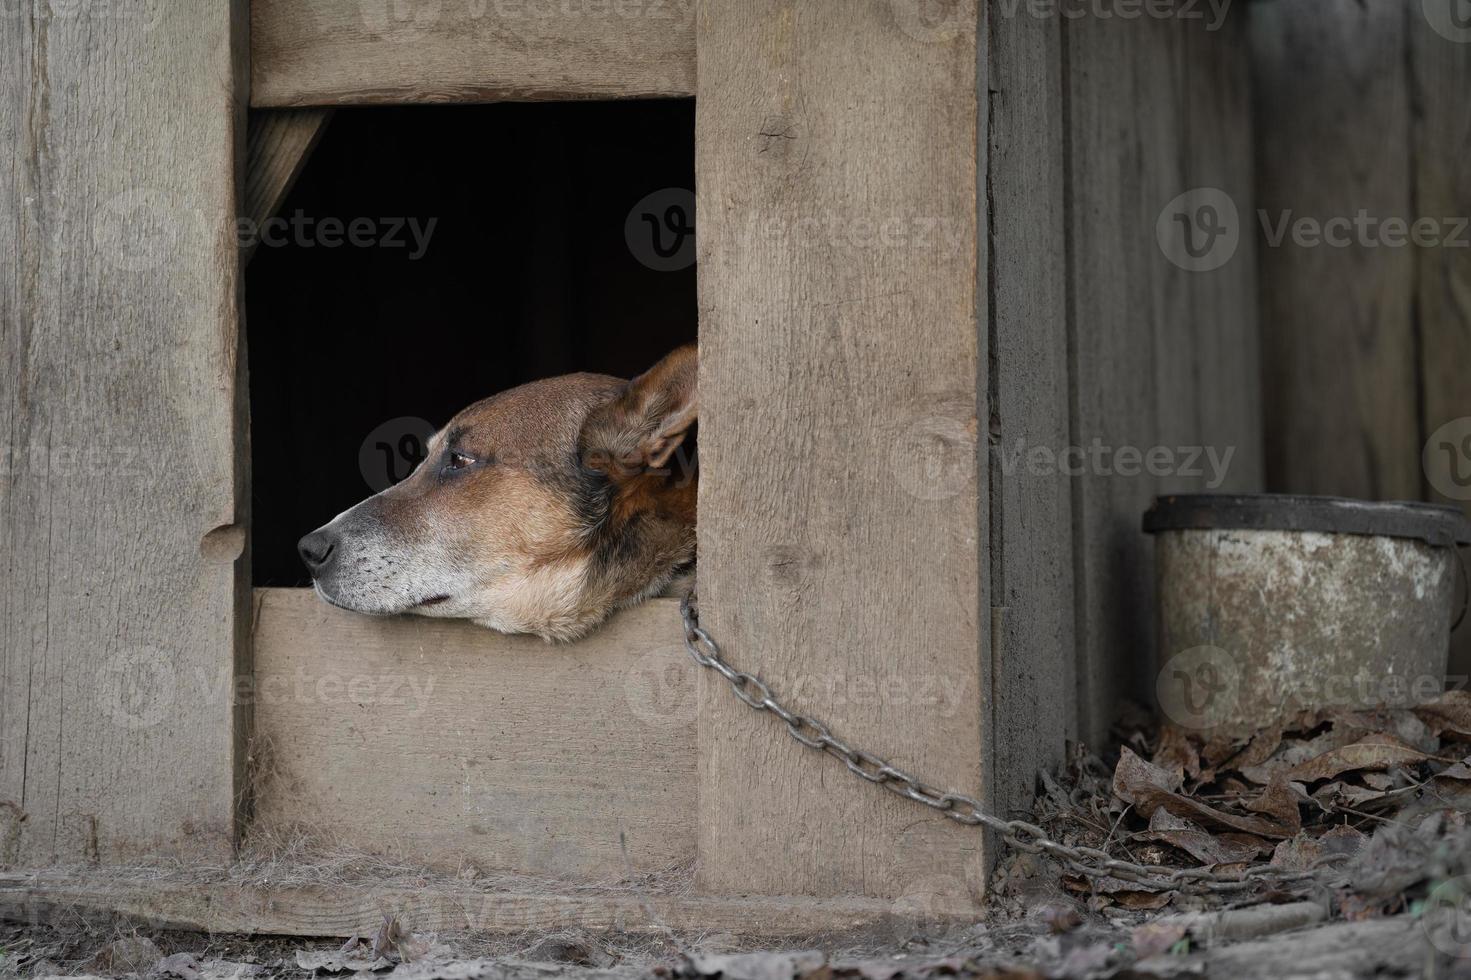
{"x": 1451, "y": 712}
{"x": 182, "y": 965}
{"x": 757, "y": 966}
{"x": 1136, "y": 781}
{"x": 1207, "y": 848}
{"x": 1060, "y": 918}
{"x": 1300, "y": 853}
{"x": 1458, "y": 771}
{"x": 1371, "y": 752}
{"x": 1280, "y": 802}
{"x": 1143, "y": 900}
{"x": 1155, "y": 938}
{"x": 1176, "y": 754}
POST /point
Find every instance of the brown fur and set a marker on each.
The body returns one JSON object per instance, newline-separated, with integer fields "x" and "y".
{"x": 580, "y": 498}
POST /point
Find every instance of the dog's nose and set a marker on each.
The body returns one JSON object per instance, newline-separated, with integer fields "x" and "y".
{"x": 317, "y": 550}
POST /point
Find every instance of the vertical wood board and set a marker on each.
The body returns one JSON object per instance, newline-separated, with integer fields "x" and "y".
{"x": 120, "y": 500}
{"x": 1441, "y": 81}
{"x": 1337, "y": 322}
{"x": 1163, "y": 350}
{"x": 841, "y": 500}
{"x": 1031, "y": 552}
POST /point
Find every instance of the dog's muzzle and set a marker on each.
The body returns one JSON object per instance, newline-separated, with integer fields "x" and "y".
{"x": 318, "y": 551}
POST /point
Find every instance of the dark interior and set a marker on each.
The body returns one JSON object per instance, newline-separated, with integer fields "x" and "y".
{"x": 561, "y": 242}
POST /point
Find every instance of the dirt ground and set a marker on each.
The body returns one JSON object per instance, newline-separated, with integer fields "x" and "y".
{"x": 1030, "y": 945}
{"x": 1363, "y": 819}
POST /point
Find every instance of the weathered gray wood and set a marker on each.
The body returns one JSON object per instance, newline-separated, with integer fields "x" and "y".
{"x": 122, "y": 496}
{"x": 218, "y": 904}
{"x": 1441, "y": 79}
{"x": 456, "y": 745}
{"x": 1162, "y": 356}
{"x": 1116, "y": 274}
{"x": 280, "y": 143}
{"x": 841, "y": 389}
{"x": 1223, "y": 373}
{"x": 1333, "y": 113}
{"x": 326, "y": 52}
{"x": 1031, "y": 550}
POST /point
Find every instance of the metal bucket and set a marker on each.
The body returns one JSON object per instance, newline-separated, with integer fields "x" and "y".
{"x": 1272, "y": 604}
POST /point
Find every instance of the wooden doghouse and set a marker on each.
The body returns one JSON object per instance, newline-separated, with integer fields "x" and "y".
{"x": 927, "y": 242}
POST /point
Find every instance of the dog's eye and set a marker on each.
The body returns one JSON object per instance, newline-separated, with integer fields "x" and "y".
{"x": 456, "y": 460}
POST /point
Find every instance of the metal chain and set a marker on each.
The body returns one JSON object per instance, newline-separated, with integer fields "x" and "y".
{"x": 1089, "y": 861}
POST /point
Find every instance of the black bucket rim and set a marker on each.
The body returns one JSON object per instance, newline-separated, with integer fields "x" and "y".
{"x": 1436, "y": 524}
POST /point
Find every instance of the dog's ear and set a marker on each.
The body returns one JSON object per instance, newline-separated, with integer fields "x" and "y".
{"x": 648, "y": 420}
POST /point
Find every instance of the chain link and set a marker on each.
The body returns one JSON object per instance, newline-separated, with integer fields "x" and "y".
{"x": 1088, "y": 861}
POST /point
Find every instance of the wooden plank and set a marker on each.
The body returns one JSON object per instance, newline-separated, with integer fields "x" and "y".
{"x": 460, "y": 746}
{"x": 1337, "y": 323}
{"x": 1224, "y": 370}
{"x": 1441, "y": 135}
{"x": 122, "y": 499}
{"x": 842, "y": 380}
{"x": 1031, "y": 571}
{"x": 325, "y": 52}
{"x": 1163, "y": 351}
{"x": 222, "y": 905}
{"x": 1115, "y": 277}
{"x": 280, "y": 143}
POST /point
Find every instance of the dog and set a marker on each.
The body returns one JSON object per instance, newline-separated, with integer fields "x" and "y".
{"x": 539, "y": 510}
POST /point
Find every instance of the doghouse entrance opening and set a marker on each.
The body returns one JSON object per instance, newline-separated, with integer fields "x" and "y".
{"x": 429, "y": 257}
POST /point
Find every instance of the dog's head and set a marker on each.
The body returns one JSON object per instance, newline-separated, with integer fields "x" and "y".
{"x": 538, "y": 510}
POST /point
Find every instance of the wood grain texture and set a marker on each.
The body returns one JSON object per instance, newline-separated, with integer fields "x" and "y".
{"x": 1031, "y": 549}
{"x": 1223, "y": 320}
{"x": 452, "y": 744}
{"x": 1440, "y": 79}
{"x": 841, "y": 385}
{"x": 1161, "y": 356}
{"x": 327, "y": 52}
{"x": 121, "y": 498}
{"x": 1337, "y": 323}
{"x": 177, "y": 901}
{"x": 280, "y": 143}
